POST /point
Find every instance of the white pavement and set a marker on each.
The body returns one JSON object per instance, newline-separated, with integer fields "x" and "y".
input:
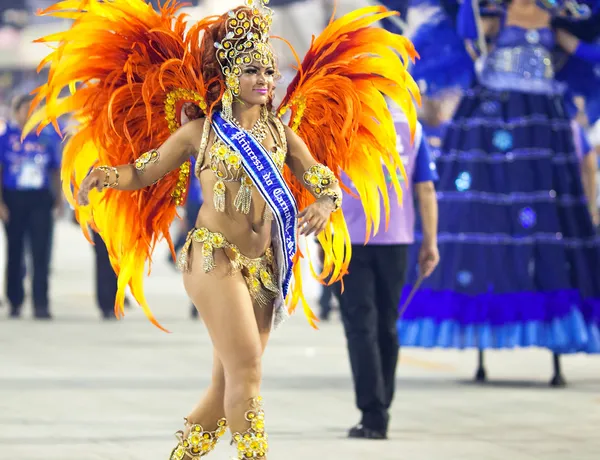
{"x": 78, "y": 388}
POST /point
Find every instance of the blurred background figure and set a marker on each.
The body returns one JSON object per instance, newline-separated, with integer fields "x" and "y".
{"x": 587, "y": 147}
{"x": 589, "y": 168}
{"x": 30, "y": 192}
{"x": 106, "y": 280}
{"x": 520, "y": 258}
{"x": 372, "y": 288}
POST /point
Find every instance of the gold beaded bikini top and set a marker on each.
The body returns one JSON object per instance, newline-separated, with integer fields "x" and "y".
{"x": 226, "y": 164}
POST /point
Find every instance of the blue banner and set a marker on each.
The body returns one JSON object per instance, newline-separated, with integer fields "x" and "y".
{"x": 260, "y": 167}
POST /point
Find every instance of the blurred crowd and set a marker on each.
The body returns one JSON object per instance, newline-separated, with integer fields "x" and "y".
{"x": 16, "y": 16}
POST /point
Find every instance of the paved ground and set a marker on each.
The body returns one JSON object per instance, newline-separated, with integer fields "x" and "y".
{"x": 79, "y": 388}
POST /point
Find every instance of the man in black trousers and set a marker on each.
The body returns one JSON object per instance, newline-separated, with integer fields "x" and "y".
{"x": 106, "y": 279}
{"x": 373, "y": 285}
{"x": 29, "y": 192}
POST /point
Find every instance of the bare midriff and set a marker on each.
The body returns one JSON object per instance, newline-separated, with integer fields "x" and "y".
{"x": 250, "y": 232}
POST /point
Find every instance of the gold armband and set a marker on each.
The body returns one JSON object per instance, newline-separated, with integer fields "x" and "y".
{"x": 320, "y": 178}
{"x": 107, "y": 170}
{"x": 145, "y": 159}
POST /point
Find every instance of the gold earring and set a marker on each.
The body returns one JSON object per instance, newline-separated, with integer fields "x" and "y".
{"x": 226, "y": 103}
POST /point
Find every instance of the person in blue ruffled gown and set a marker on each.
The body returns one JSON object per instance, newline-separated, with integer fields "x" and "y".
{"x": 520, "y": 260}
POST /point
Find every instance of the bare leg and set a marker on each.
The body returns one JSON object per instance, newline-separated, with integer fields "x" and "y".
{"x": 212, "y": 405}
{"x": 211, "y": 408}
{"x": 226, "y": 308}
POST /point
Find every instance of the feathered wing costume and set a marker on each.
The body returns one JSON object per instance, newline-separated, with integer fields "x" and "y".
{"x": 130, "y": 69}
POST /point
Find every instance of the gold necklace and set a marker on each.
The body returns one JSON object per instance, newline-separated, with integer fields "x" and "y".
{"x": 259, "y": 130}
{"x": 243, "y": 198}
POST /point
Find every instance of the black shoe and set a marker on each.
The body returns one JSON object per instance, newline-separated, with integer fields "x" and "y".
{"x": 108, "y": 315}
{"x": 558, "y": 381}
{"x": 362, "y": 432}
{"x": 42, "y": 314}
{"x": 15, "y": 313}
{"x": 194, "y": 313}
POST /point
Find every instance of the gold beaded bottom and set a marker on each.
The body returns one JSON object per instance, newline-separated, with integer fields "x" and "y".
{"x": 258, "y": 272}
{"x": 198, "y": 442}
{"x": 252, "y": 443}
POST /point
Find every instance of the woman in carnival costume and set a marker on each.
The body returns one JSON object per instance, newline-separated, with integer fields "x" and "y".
{"x": 130, "y": 70}
{"x": 520, "y": 261}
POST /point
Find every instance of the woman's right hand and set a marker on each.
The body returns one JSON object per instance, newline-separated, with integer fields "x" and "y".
{"x": 94, "y": 179}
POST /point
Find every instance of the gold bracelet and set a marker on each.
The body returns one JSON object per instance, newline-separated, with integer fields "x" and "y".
{"x": 335, "y": 196}
{"x": 107, "y": 170}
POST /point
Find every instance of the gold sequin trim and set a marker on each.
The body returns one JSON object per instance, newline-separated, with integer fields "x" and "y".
{"x": 298, "y": 106}
{"x": 173, "y": 98}
{"x": 198, "y": 442}
{"x": 258, "y": 273}
{"x": 145, "y": 159}
{"x": 181, "y": 188}
{"x": 253, "y": 443}
{"x": 171, "y": 101}
{"x": 246, "y": 40}
{"x": 318, "y": 177}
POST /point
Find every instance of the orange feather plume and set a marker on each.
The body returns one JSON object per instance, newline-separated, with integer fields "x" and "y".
{"x": 129, "y": 69}
{"x": 338, "y": 107}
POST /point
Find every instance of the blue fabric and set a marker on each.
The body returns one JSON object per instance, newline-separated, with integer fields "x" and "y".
{"x": 434, "y": 135}
{"x": 425, "y": 169}
{"x": 582, "y": 79}
{"x": 55, "y": 138}
{"x": 588, "y": 52}
{"x": 443, "y": 60}
{"x": 520, "y": 260}
{"x": 26, "y": 165}
{"x": 586, "y": 147}
{"x": 465, "y": 21}
{"x": 570, "y": 105}
{"x": 521, "y": 60}
{"x": 592, "y": 105}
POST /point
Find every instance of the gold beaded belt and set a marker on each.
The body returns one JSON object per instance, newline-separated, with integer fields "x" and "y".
{"x": 257, "y": 272}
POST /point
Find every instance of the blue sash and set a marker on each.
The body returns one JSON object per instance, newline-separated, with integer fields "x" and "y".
{"x": 259, "y": 167}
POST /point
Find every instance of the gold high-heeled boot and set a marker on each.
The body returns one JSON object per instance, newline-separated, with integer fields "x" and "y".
{"x": 253, "y": 442}
{"x": 198, "y": 442}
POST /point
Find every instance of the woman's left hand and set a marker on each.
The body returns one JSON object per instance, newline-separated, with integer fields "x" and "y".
{"x": 313, "y": 218}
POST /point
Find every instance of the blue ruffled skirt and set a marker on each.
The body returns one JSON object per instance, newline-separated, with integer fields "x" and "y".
{"x": 520, "y": 259}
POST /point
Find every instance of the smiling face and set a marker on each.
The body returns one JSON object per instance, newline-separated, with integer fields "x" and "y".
{"x": 257, "y": 83}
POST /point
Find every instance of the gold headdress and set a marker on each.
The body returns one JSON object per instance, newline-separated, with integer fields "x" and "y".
{"x": 246, "y": 40}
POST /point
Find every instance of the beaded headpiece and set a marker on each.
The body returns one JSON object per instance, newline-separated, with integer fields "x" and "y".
{"x": 246, "y": 40}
